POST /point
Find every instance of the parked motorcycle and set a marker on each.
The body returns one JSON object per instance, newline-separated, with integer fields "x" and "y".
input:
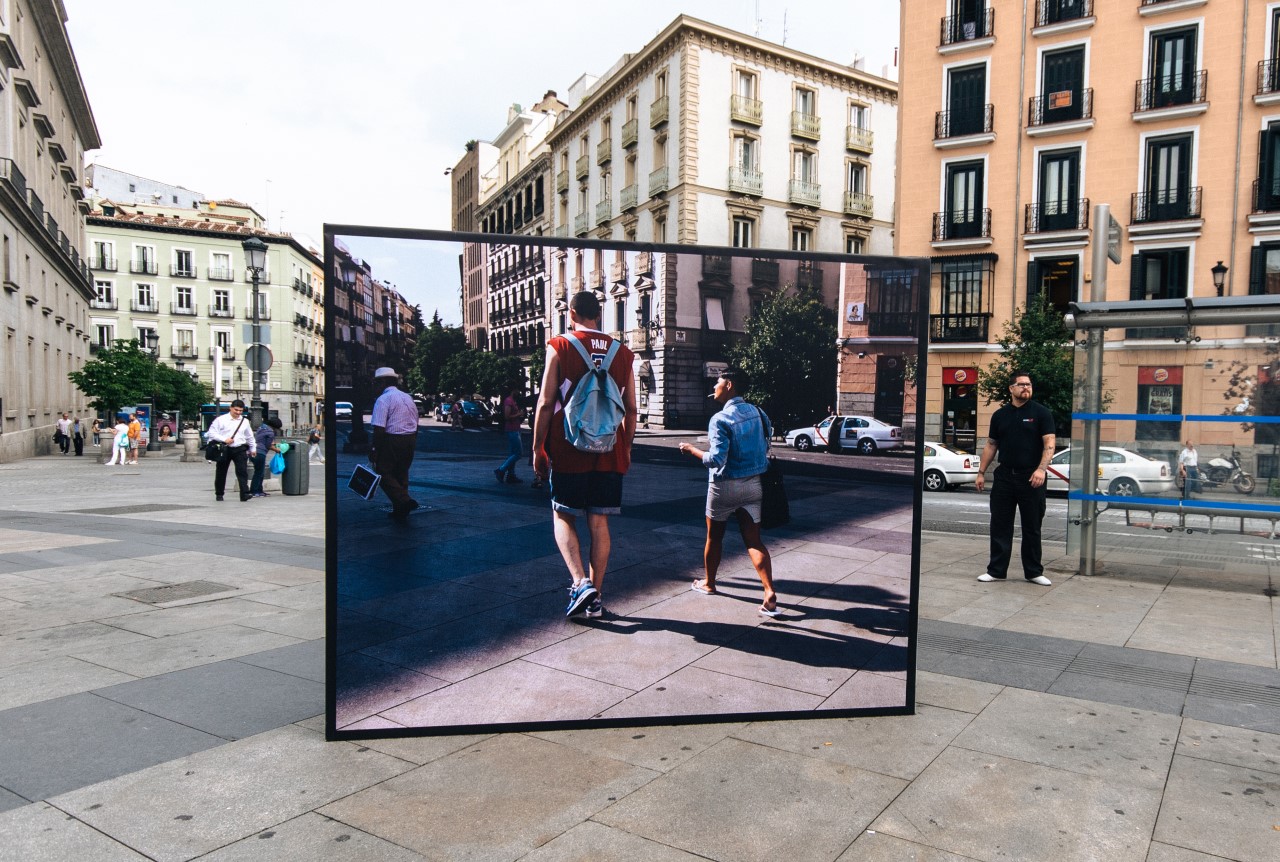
{"x": 1220, "y": 472}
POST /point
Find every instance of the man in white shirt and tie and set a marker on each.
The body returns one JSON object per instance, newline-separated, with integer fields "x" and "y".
{"x": 232, "y": 428}
{"x": 395, "y": 437}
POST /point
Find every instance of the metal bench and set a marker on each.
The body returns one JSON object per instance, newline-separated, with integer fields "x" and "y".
{"x": 1211, "y": 509}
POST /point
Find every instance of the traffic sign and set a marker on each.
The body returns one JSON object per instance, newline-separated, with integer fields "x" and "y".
{"x": 1113, "y": 239}
{"x": 258, "y": 358}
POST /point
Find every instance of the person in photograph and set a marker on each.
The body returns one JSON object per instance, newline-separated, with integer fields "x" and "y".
{"x": 233, "y": 429}
{"x": 135, "y": 437}
{"x": 455, "y": 415}
{"x": 315, "y": 452}
{"x": 264, "y": 440}
{"x": 96, "y": 430}
{"x": 395, "y": 438}
{"x": 1021, "y": 435}
{"x": 62, "y": 433}
{"x": 119, "y": 442}
{"x": 1189, "y": 469}
{"x": 512, "y": 417}
{"x": 736, "y": 455}
{"x": 77, "y": 435}
{"x": 582, "y": 483}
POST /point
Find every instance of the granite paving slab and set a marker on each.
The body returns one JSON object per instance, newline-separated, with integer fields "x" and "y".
{"x": 591, "y": 842}
{"x": 10, "y": 800}
{"x": 874, "y": 846}
{"x": 188, "y": 807}
{"x": 1231, "y": 745}
{"x": 693, "y": 691}
{"x": 229, "y": 699}
{"x": 624, "y": 653}
{"x": 312, "y": 838}
{"x": 304, "y": 659}
{"x": 950, "y": 692}
{"x": 189, "y": 649}
{"x": 41, "y": 832}
{"x": 867, "y": 690}
{"x": 1168, "y": 853}
{"x": 52, "y": 677}
{"x": 950, "y": 807}
{"x": 419, "y": 749}
{"x": 817, "y": 662}
{"x": 203, "y": 615}
{"x": 369, "y": 686}
{"x": 432, "y": 810}
{"x": 1221, "y": 809}
{"x": 659, "y": 747}
{"x": 813, "y": 808}
{"x": 23, "y": 541}
{"x": 58, "y": 745}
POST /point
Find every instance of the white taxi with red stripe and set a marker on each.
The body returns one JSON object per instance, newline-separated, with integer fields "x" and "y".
{"x": 863, "y": 434}
{"x": 1121, "y": 473}
{"x": 944, "y": 467}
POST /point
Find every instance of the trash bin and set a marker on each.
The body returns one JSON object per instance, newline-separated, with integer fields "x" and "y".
{"x": 296, "y": 478}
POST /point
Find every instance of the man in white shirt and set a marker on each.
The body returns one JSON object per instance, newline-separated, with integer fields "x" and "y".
{"x": 1189, "y": 469}
{"x": 64, "y": 433}
{"x": 233, "y": 429}
{"x": 395, "y": 437}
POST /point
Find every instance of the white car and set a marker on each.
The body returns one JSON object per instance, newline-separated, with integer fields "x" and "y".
{"x": 1121, "y": 473}
{"x": 946, "y": 468}
{"x": 342, "y": 410}
{"x": 861, "y": 433}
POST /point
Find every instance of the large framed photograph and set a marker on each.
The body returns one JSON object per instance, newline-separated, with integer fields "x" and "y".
{"x": 451, "y": 594}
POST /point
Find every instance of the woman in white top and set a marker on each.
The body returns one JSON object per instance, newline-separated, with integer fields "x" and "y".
{"x": 120, "y": 447}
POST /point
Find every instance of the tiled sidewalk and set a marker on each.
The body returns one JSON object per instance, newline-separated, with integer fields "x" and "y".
{"x": 1125, "y": 717}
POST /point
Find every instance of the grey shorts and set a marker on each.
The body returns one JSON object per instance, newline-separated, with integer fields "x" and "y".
{"x": 729, "y": 495}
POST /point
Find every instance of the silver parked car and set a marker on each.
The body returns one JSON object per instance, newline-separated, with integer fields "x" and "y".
{"x": 864, "y": 434}
{"x": 945, "y": 468}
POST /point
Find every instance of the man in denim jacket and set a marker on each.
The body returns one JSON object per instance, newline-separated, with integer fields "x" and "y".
{"x": 737, "y": 453}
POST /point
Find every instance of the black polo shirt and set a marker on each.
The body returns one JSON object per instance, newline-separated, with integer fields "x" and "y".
{"x": 1018, "y": 432}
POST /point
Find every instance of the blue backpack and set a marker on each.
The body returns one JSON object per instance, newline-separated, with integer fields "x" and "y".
{"x": 594, "y": 411}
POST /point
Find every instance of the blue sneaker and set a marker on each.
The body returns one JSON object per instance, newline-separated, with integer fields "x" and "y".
{"x": 595, "y": 610}
{"x": 579, "y": 596}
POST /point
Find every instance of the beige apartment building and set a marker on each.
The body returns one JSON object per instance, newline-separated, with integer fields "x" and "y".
{"x": 1019, "y": 117}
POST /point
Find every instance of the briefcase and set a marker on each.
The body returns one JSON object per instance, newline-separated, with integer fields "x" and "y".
{"x": 364, "y": 481}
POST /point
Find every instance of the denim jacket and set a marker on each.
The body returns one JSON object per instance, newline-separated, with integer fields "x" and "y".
{"x": 737, "y": 441}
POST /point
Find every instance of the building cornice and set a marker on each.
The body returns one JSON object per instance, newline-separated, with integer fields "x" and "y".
{"x": 192, "y": 227}
{"x": 50, "y": 18}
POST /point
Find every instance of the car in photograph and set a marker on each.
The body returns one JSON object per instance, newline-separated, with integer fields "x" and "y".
{"x": 342, "y": 409}
{"x": 945, "y": 467}
{"x": 442, "y": 411}
{"x": 863, "y": 434}
{"x": 474, "y": 414}
{"x": 1121, "y": 472}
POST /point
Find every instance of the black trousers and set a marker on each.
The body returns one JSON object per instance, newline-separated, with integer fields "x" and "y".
{"x": 238, "y": 455}
{"x": 79, "y": 443}
{"x": 395, "y": 455}
{"x": 1010, "y": 493}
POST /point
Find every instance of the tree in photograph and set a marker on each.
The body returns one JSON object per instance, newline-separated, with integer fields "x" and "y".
{"x": 437, "y": 343}
{"x": 790, "y": 354}
{"x": 120, "y": 376}
{"x": 1253, "y": 390}
{"x": 1038, "y": 343}
{"x": 479, "y": 373}
{"x": 178, "y": 390}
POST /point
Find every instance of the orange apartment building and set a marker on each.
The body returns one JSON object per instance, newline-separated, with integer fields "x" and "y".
{"x": 1018, "y": 117}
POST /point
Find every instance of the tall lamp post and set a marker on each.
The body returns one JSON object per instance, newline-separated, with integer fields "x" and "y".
{"x": 153, "y": 346}
{"x": 255, "y": 256}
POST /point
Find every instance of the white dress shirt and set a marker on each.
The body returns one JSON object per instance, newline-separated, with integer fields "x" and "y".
{"x": 224, "y": 426}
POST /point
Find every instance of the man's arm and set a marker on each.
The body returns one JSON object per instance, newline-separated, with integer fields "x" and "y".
{"x": 988, "y": 455}
{"x": 546, "y": 406}
{"x": 1047, "y": 442}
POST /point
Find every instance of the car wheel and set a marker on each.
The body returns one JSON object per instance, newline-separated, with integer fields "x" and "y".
{"x": 866, "y": 446}
{"x": 803, "y": 443}
{"x": 1123, "y": 487}
{"x": 934, "y": 480}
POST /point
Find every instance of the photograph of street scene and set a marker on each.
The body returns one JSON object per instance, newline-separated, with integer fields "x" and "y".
{"x": 450, "y": 606}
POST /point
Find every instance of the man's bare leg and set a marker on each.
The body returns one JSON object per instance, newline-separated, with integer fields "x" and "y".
{"x": 601, "y": 544}
{"x": 566, "y": 533}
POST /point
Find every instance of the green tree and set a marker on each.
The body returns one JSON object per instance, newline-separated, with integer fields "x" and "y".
{"x": 122, "y": 375}
{"x": 1038, "y": 343}
{"x": 178, "y": 390}
{"x": 790, "y": 354}
{"x": 479, "y": 372}
{"x": 436, "y": 344}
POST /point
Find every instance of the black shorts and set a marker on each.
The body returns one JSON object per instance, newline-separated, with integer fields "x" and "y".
{"x": 596, "y": 492}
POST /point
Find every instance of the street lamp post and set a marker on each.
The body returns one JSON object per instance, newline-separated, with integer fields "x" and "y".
{"x": 153, "y": 346}
{"x": 255, "y": 255}
{"x": 1219, "y": 274}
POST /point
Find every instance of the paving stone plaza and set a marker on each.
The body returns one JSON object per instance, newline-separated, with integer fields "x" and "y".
{"x": 1134, "y": 715}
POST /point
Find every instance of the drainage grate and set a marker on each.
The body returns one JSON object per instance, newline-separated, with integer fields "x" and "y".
{"x": 175, "y": 592}
{"x": 1172, "y": 680}
{"x": 994, "y": 652}
{"x": 131, "y": 510}
{"x": 1241, "y": 692}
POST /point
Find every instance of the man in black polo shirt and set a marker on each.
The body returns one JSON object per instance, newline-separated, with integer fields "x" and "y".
{"x": 1022, "y": 432}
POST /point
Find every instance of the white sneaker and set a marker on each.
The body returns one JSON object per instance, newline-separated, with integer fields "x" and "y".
{"x": 1041, "y": 580}
{"x": 986, "y": 578}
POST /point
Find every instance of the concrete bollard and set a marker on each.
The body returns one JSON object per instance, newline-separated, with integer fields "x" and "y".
{"x": 191, "y": 447}
{"x": 108, "y": 442}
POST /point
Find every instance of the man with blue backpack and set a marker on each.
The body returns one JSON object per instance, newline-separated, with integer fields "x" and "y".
{"x": 582, "y": 433}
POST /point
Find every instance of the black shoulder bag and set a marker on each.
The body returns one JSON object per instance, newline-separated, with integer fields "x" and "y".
{"x": 775, "y": 511}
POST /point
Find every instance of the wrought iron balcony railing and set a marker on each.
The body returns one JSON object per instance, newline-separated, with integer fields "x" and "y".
{"x": 746, "y": 181}
{"x": 965, "y": 28}
{"x": 144, "y": 306}
{"x": 630, "y": 133}
{"x": 958, "y": 327}
{"x": 658, "y": 111}
{"x": 221, "y": 311}
{"x": 629, "y": 197}
{"x": 805, "y": 125}
{"x": 102, "y": 262}
{"x": 659, "y": 181}
{"x": 144, "y": 267}
{"x": 1165, "y": 205}
{"x": 858, "y": 138}
{"x": 1266, "y": 195}
{"x": 764, "y": 272}
{"x": 184, "y": 309}
{"x": 859, "y": 204}
{"x": 1060, "y": 107}
{"x": 1056, "y": 215}
{"x": 220, "y": 274}
{"x": 745, "y": 109}
{"x": 804, "y": 193}
{"x": 604, "y": 211}
{"x": 1058, "y": 11}
{"x": 1169, "y": 91}
{"x": 961, "y": 224}
{"x": 891, "y": 323}
{"x": 965, "y": 121}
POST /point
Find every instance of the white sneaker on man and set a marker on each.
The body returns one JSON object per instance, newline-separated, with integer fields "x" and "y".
{"x": 1041, "y": 580}
{"x": 988, "y": 578}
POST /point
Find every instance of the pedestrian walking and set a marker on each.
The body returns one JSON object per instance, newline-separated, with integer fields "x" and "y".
{"x": 395, "y": 439}
{"x": 265, "y": 446}
{"x": 512, "y": 417}
{"x": 455, "y": 415}
{"x": 737, "y": 454}
{"x": 119, "y": 442}
{"x": 96, "y": 430}
{"x": 135, "y": 437}
{"x": 583, "y": 482}
{"x": 1189, "y": 470}
{"x": 62, "y": 436}
{"x": 77, "y": 436}
{"x": 315, "y": 452}
{"x": 1021, "y": 435}
{"x": 233, "y": 429}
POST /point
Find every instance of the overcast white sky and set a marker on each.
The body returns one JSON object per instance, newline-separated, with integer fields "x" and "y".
{"x": 349, "y": 113}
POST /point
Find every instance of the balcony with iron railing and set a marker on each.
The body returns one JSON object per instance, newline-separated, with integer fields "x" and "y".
{"x": 227, "y": 352}
{"x": 604, "y": 211}
{"x": 659, "y": 109}
{"x": 889, "y": 323}
{"x": 102, "y": 262}
{"x": 718, "y": 265}
{"x": 629, "y": 197}
{"x": 1165, "y": 205}
{"x": 809, "y": 276}
{"x": 1050, "y": 12}
{"x": 1062, "y": 107}
{"x": 104, "y": 304}
{"x": 958, "y": 29}
{"x": 15, "y": 177}
{"x": 659, "y": 181}
{"x": 220, "y": 274}
{"x": 183, "y": 351}
{"x": 562, "y": 181}
{"x": 618, "y": 272}
{"x": 263, "y": 313}
{"x": 804, "y": 193}
{"x": 144, "y": 267}
{"x": 221, "y": 311}
{"x": 37, "y": 205}
{"x": 744, "y": 109}
{"x": 746, "y": 181}
{"x": 959, "y": 327}
{"x": 582, "y": 167}
{"x": 859, "y": 204}
{"x": 961, "y": 224}
{"x": 595, "y": 279}
{"x": 858, "y": 138}
{"x": 580, "y": 226}
{"x": 1171, "y": 91}
{"x": 178, "y": 270}
{"x": 1266, "y": 195}
{"x": 1056, "y": 216}
{"x": 764, "y": 273}
{"x": 963, "y": 122}
{"x": 185, "y": 309}
{"x": 51, "y": 225}
{"x": 562, "y": 231}
{"x": 604, "y": 151}
{"x": 263, "y": 277}
{"x": 806, "y": 125}
{"x": 630, "y": 133}
{"x": 144, "y": 306}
